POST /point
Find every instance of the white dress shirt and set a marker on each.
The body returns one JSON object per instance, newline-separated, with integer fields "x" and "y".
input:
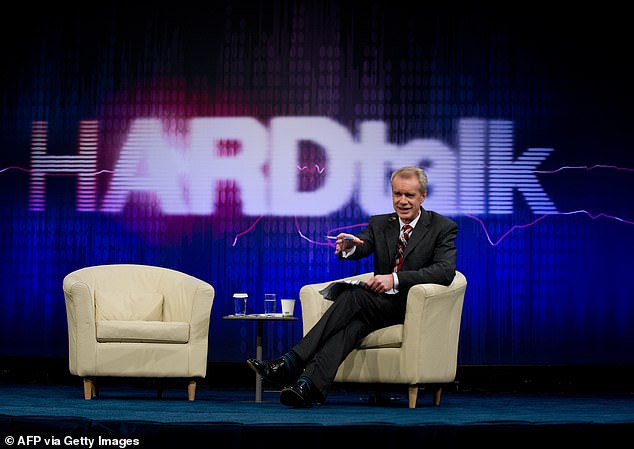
{"x": 394, "y": 289}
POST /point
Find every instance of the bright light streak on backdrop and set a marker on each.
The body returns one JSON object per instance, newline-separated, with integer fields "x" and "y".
{"x": 226, "y": 143}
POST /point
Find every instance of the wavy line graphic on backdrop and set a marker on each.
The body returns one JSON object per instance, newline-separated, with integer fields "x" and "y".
{"x": 479, "y": 220}
{"x": 583, "y": 167}
{"x": 537, "y": 220}
{"x": 299, "y": 232}
{"x": 26, "y": 170}
{"x": 315, "y": 167}
{"x": 320, "y": 170}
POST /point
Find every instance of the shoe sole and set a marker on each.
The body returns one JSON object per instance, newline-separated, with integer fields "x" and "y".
{"x": 256, "y": 371}
{"x": 290, "y": 398}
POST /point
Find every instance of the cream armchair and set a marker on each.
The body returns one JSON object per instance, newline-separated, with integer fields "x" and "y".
{"x": 423, "y": 350}
{"x": 127, "y": 320}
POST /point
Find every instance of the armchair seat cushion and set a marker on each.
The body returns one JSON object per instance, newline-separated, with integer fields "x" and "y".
{"x": 387, "y": 337}
{"x": 142, "y": 331}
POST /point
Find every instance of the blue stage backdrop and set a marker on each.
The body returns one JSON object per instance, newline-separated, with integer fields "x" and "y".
{"x": 226, "y": 140}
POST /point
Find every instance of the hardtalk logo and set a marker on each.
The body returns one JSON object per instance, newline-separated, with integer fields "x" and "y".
{"x": 183, "y": 174}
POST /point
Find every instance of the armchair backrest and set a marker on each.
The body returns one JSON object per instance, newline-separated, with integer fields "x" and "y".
{"x": 141, "y": 292}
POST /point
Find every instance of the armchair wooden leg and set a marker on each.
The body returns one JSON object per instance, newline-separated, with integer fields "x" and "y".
{"x": 191, "y": 390}
{"x": 412, "y": 395}
{"x": 90, "y": 390}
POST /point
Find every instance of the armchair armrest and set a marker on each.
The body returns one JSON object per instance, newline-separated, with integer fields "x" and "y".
{"x": 432, "y": 327}
{"x": 201, "y": 311}
{"x": 80, "y": 313}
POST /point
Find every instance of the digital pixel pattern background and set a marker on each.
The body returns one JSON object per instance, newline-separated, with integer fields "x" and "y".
{"x": 226, "y": 143}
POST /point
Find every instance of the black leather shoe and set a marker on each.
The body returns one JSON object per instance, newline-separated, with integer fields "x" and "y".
{"x": 275, "y": 371}
{"x": 297, "y": 395}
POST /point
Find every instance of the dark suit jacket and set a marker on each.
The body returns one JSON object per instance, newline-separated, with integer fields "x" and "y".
{"x": 430, "y": 255}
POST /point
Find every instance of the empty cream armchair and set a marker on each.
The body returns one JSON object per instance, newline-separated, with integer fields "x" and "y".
{"x": 127, "y": 320}
{"x": 423, "y": 350}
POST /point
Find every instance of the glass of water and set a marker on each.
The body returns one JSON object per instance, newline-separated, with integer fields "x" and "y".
{"x": 269, "y": 303}
{"x": 240, "y": 301}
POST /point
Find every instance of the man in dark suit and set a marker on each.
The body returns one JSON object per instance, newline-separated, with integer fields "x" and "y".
{"x": 429, "y": 256}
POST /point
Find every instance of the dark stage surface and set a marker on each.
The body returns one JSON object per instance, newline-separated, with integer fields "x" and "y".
{"x": 221, "y": 417}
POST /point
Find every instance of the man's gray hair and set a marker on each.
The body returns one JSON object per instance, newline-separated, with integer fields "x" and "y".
{"x": 413, "y": 171}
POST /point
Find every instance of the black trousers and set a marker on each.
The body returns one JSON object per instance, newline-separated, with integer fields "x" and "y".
{"x": 354, "y": 314}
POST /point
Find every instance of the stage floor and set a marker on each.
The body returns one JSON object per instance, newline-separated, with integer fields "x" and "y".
{"x": 232, "y": 418}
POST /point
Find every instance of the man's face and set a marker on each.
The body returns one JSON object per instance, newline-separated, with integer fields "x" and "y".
{"x": 406, "y": 197}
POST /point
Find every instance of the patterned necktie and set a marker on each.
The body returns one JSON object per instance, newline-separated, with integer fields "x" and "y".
{"x": 402, "y": 243}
